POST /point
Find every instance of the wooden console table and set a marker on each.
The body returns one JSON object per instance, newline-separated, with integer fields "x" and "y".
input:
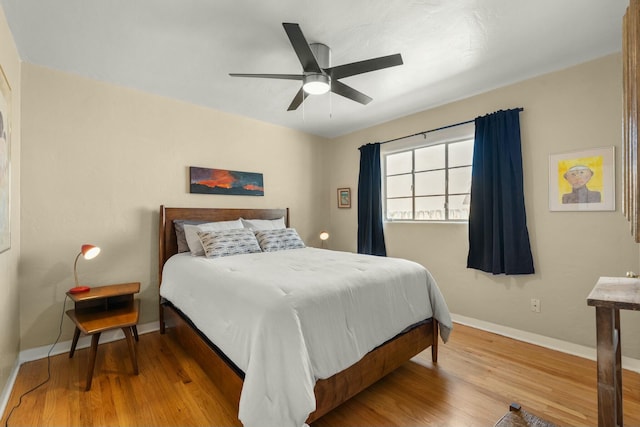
{"x": 103, "y": 308}
{"x": 609, "y": 296}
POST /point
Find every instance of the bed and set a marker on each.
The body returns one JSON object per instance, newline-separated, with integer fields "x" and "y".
{"x": 326, "y": 391}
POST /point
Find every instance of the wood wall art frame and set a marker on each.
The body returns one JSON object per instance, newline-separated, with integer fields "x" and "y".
{"x": 344, "y": 197}
{"x": 631, "y": 111}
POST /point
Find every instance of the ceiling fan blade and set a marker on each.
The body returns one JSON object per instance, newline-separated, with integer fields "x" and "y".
{"x": 365, "y": 66}
{"x": 301, "y": 46}
{"x": 349, "y": 92}
{"x": 297, "y": 100}
{"x": 270, "y": 76}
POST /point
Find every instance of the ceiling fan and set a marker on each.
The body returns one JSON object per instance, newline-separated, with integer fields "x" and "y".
{"x": 318, "y": 76}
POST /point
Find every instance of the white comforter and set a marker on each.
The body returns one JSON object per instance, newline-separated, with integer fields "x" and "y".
{"x": 288, "y": 318}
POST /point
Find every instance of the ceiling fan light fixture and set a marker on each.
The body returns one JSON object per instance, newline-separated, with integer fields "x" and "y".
{"x": 318, "y": 76}
{"x": 316, "y": 84}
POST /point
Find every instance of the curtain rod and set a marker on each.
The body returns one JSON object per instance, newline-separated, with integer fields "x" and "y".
{"x": 424, "y": 132}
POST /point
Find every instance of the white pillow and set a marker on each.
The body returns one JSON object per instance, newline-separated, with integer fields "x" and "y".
{"x": 263, "y": 224}
{"x": 228, "y": 242}
{"x": 191, "y": 233}
{"x": 278, "y": 240}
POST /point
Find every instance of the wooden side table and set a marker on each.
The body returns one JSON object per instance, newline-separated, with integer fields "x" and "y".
{"x": 609, "y": 296}
{"x": 103, "y": 308}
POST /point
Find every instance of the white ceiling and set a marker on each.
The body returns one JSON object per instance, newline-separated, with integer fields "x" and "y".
{"x": 184, "y": 49}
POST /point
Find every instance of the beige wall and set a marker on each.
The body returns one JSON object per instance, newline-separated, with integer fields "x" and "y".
{"x": 100, "y": 159}
{"x": 9, "y": 303}
{"x": 573, "y": 109}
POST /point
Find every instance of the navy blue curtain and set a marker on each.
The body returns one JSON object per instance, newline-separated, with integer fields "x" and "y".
{"x": 498, "y": 236}
{"x": 370, "y": 232}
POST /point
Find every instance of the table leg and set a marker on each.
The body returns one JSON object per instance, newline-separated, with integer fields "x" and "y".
{"x": 609, "y": 367}
{"x": 92, "y": 359}
{"x": 134, "y": 328}
{"x": 76, "y": 335}
{"x": 132, "y": 349}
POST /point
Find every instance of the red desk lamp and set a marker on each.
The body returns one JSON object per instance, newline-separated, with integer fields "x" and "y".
{"x": 87, "y": 252}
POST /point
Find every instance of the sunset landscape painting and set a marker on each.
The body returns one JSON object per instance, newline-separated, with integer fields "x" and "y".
{"x": 222, "y": 181}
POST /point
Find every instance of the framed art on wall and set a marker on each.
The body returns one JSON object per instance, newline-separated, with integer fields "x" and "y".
{"x": 344, "y": 197}
{"x": 222, "y": 181}
{"x": 5, "y": 162}
{"x": 582, "y": 180}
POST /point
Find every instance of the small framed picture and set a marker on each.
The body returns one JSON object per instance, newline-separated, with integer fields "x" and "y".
{"x": 582, "y": 180}
{"x": 344, "y": 197}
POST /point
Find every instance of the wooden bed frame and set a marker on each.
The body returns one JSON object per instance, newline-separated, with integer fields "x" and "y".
{"x": 329, "y": 392}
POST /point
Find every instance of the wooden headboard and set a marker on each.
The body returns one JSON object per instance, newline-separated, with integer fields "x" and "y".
{"x": 168, "y": 242}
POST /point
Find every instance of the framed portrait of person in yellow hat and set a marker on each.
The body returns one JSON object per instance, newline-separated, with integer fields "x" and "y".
{"x": 582, "y": 180}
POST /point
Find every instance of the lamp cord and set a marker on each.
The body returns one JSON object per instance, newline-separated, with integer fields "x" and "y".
{"x": 6, "y": 422}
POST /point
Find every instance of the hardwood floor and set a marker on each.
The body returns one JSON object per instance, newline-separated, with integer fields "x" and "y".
{"x": 477, "y": 376}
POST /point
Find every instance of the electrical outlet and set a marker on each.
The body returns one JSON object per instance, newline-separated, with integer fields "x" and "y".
{"x": 535, "y": 305}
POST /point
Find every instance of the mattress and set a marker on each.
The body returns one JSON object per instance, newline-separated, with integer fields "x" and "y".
{"x": 288, "y": 318}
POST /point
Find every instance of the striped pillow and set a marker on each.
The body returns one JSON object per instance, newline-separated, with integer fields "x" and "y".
{"x": 222, "y": 243}
{"x": 277, "y": 240}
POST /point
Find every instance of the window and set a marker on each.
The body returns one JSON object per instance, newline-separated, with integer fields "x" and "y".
{"x": 428, "y": 181}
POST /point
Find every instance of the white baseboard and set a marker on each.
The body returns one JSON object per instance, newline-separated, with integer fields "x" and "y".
{"x": 6, "y": 392}
{"x": 83, "y": 342}
{"x": 62, "y": 347}
{"x": 551, "y": 343}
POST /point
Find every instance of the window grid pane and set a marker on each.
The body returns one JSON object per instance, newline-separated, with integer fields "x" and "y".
{"x": 430, "y": 183}
{"x": 400, "y": 209}
{"x": 430, "y": 208}
{"x": 461, "y": 153}
{"x": 399, "y": 163}
{"x": 399, "y": 185}
{"x": 432, "y": 157}
{"x": 460, "y": 180}
{"x": 458, "y": 208}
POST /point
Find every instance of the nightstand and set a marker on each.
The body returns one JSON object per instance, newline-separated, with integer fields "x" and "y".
{"x": 101, "y": 309}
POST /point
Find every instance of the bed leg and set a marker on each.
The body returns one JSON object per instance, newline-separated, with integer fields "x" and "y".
{"x": 161, "y": 318}
{"x": 434, "y": 346}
